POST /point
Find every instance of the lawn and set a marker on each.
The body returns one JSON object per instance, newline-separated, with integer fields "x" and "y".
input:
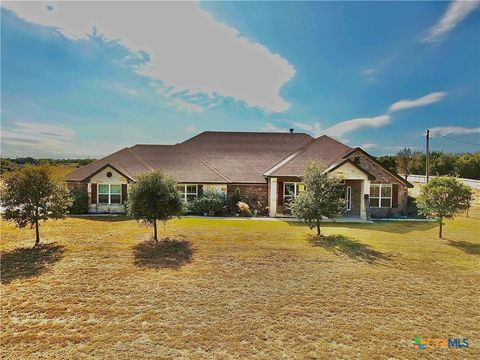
{"x": 239, "y": 289}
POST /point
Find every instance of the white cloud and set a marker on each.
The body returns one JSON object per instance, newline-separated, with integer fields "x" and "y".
{"x": 45, "y": 140}
{"x": 269, "y": 127}
{"x": 370, "y": 74}
{"x": 346, "y": 126}
{"x": 188, "y": 50}
{"x": 453, "y": 130}
{"x": 456, "y": 12}
{"x": 424, "y": 100}
{"x": 191, "y": 129}
{"x": 313, "y": 128}
{"x": 369, "y": 146}
{"x": 186, "y": 106}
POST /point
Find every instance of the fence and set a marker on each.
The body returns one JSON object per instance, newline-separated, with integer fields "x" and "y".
{"x": 475, "y": 184}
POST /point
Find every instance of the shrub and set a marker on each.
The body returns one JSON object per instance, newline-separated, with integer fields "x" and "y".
{"x": 244, "y": 209}
{"x": 236, "y": 197}
{"x": 80, "y": 202}
{"x": 212, "y": 202}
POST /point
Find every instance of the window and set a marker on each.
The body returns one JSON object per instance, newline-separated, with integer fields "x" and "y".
{"x": 188, "y": 192}
{"x": 109, "y": 194}
{"x": 381, "y": 195}
{"x": 348, "y": 197}
{"x": 291, "y": 190}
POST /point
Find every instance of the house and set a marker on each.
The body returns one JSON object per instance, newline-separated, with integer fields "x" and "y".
{"x": 266, "y": 167}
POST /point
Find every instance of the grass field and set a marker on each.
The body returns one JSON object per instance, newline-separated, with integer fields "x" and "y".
{"x": 239, "y": 289}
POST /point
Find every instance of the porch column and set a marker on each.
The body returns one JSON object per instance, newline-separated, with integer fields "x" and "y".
{"x": 365, "y": 189}
{"x": 272, "y": 201}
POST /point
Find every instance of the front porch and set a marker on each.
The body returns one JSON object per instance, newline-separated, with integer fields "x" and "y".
{"x": 282, "y": 190}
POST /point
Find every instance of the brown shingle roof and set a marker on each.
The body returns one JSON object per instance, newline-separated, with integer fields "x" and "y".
{"x": 173, "y": 160}
{"x": 324, "y": 149}
{"x": 243, "y": 157}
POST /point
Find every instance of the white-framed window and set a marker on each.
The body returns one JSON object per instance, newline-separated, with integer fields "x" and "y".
{"x": 109, "y": 194}
{"x": 381, "y": 195}
{"x": 291, "y": 190}
{"x": 188, "y": 191}
{"x": 348, "y": 197}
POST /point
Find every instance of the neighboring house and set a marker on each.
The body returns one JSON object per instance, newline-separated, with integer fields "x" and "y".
{"x": 266, "y": 167}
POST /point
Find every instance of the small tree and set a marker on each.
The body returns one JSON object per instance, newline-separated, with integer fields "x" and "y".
{"x": 324, "y": 196}
{"x": 234, "y": 200}
{"x": 31, "y": 194}
{"x": 407, "y": 161}
{"x": 444, "y": 197}
{"x": 154, "y": 197}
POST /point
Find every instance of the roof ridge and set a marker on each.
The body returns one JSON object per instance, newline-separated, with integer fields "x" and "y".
{"x": 211, "y": 167}
{"x": 292, "y": 156}
{"x": 144, "y": 162}
{"x": 301, "y": 150}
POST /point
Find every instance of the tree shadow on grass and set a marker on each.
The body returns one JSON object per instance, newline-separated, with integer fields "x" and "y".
{"x": 340, "y": 244}
{"x": 467, "y": 247}
{"x": 168, "y": 253}
{"x": 27, "y": 262}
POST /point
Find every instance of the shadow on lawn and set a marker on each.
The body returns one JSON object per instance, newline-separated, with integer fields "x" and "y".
{"x": 340, "y": 244}
{"x": 168, "y": 253}
{"x": 27, "y": 262}
{"x": 467, "y": 247}
{"x": 397, "y": 227}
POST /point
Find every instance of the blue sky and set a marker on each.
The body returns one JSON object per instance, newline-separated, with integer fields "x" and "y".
{"x": 86, "y": 79}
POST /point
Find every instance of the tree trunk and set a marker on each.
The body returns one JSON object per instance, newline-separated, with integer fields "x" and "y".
{"x": 37, "y": 233}
{"x": 155, "y": 230}
{"x": 318, "y": 227}
{"x": 440, "y": 230}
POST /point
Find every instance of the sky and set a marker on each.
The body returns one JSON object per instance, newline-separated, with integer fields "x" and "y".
{"x": 85, "y": 79}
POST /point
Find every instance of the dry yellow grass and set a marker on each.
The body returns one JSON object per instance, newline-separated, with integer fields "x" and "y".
{"x": 239, "y": 289}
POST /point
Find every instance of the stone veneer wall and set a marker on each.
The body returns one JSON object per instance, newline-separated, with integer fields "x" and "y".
{"x": 383, "y": 177}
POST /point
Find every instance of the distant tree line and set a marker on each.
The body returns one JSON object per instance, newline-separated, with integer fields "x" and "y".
{"x": 407, "y": 162}
{"x": 10, "y": 164}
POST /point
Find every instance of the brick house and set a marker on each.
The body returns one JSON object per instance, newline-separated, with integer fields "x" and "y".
{"x": 266, "y": 167}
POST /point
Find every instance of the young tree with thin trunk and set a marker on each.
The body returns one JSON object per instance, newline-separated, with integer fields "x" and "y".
{"x": 444, "y": 197}
{"x": 154, "y": 197}
{"x": 32, "y": 194}
{"x": 324, "y": 196}
{"x": 407, "y": 161}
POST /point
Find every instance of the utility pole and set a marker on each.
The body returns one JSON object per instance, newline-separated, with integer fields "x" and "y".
{"x": 427, "y": 154}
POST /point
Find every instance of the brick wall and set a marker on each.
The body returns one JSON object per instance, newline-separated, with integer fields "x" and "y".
{"x": 383, "y": 177}
{"x": 356, "y": 197}
{"x": 257, "y": 192}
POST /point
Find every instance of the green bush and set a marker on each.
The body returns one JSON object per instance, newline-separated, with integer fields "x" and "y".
{"x": 80, "y": 201}
{"x": 211, "y": 202}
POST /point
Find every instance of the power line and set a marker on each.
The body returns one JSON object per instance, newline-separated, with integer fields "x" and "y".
{"x": 460, "y": 141}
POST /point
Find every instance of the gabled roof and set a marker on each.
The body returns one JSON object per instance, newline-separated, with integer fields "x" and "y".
{"x": 339, "y": 164}
{"x": 244, "y": 157}
{"x": 173, "y": 160}
{"x": 228, "y": 157}
{"x": 324, "y": 149}
{"x": 372, "y": 158}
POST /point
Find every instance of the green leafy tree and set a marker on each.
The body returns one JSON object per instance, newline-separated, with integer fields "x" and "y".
{"x": 444, "y": 197}
{"x": 407, "y": 161}
{"x": 154, "y": 197}
{"x": 234, "y": 200}
{"x": 389, "y": 161}
{"x": 468, "y": 166}
{"x": 324, "y": 196}
{"x": 211, "y": 202}
{"x": 32, "y": 194}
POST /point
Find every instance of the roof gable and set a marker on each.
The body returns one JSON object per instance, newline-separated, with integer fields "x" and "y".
{"x": 243, "y": 157}
{"x": 324, "y": 149}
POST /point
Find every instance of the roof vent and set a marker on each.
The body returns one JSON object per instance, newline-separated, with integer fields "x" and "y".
{"x": 291, "y": 130}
